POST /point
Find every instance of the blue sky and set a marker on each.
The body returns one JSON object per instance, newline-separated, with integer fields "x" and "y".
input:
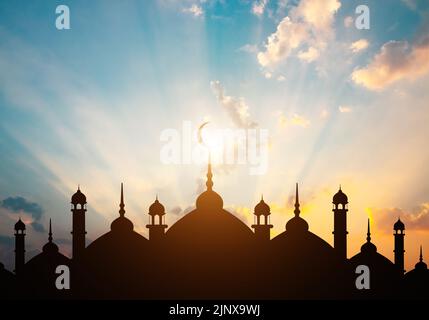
{"x": 87, "y": 106}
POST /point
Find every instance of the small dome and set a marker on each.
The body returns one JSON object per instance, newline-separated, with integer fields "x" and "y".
{"x": 50, "y": 247}
{"x": 122, "y": 224}
{"x": 20, "y": 225}
{"x": 262, "y": 209}
{"x": 368, "y": 247}
{"x": 421, "y": 265}
{"x": 399, "y": 225}
{"x": 156, "y": 208}
{"x": 78, "y": 198}
{"x": 296, "y": 225}
{"x": 209, "y": 200}
{"x": 340, "y": 198}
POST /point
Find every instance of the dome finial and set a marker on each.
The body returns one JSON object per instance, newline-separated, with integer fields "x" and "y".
{"x": 20, "y": 225}
{"x": 399, "y": 225}
{"x": 368, "y": 234}
{"x": 209, "y": 200}
{"x": 209, "y": 182}
{"x": 50, "y": 231}
{"x": 50, "y": 247}
{"x": 296, "y": 211}
{"x": 122, "y": 205}
{"x": 421, "y": 254}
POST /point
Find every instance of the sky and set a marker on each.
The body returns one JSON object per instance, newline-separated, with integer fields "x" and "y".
{"x": 89, "y": 106}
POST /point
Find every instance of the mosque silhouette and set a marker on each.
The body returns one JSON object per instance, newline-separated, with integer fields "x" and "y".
{"x": 211, "y": 254}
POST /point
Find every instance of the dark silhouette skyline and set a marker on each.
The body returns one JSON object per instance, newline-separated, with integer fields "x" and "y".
{"x": 211, "y": 254}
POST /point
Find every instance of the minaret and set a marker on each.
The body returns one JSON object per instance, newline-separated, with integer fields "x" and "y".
{"x": 399, "y": 235}
{"x": 78, "y": 209}
{"x": 340, "y": 202}
{"x": 262, "y": 228}
{"x": 156, "y": 228}
{"x": 19, "y": 246}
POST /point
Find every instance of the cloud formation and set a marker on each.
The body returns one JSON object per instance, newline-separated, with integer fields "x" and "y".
{"x": 258, "y": 7}
{"x": 396, "y": 61}
{"x": 294, "y": 120}
{"x": 414, "y": 219}
{"x": 236, "y": 108}
{"x": 359, "y": 45}
{"x": 310, "y": 55}
{"x": 20, "y": 205}
{"x": 307, "y": 30}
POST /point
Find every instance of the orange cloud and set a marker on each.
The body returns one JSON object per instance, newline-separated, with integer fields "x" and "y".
{"x": 397, "y": 60}
{"x": 414, "y": 219}
{"x": 295, "y": 120}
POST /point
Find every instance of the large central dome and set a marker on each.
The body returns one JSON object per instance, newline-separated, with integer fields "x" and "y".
{"x": 209, "y": 222}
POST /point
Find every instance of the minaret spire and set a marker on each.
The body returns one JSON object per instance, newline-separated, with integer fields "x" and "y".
{"x": 297, "y": 211}
{"x": 50, "y": 231}
{"x": 122, "y": 205}
{"x": 368, "y": 234}
{"x": 209, "y": 182}
{"x": 421, "y": 254}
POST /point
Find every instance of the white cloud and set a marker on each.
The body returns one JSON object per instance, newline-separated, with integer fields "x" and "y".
{"x": 268, "y": 75}
{"x": 359, "y": 45}
{"x": 288, "y": 37}
{"x": 258, "y": 7}
{"x": 317, "y": 13}
{"x": 281, "y": 78}
{"x": 237, "y": 108}
{"x": 195, "y": 9}
{"x": 308, "y": 25}
{"x": 345, "y": 109}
